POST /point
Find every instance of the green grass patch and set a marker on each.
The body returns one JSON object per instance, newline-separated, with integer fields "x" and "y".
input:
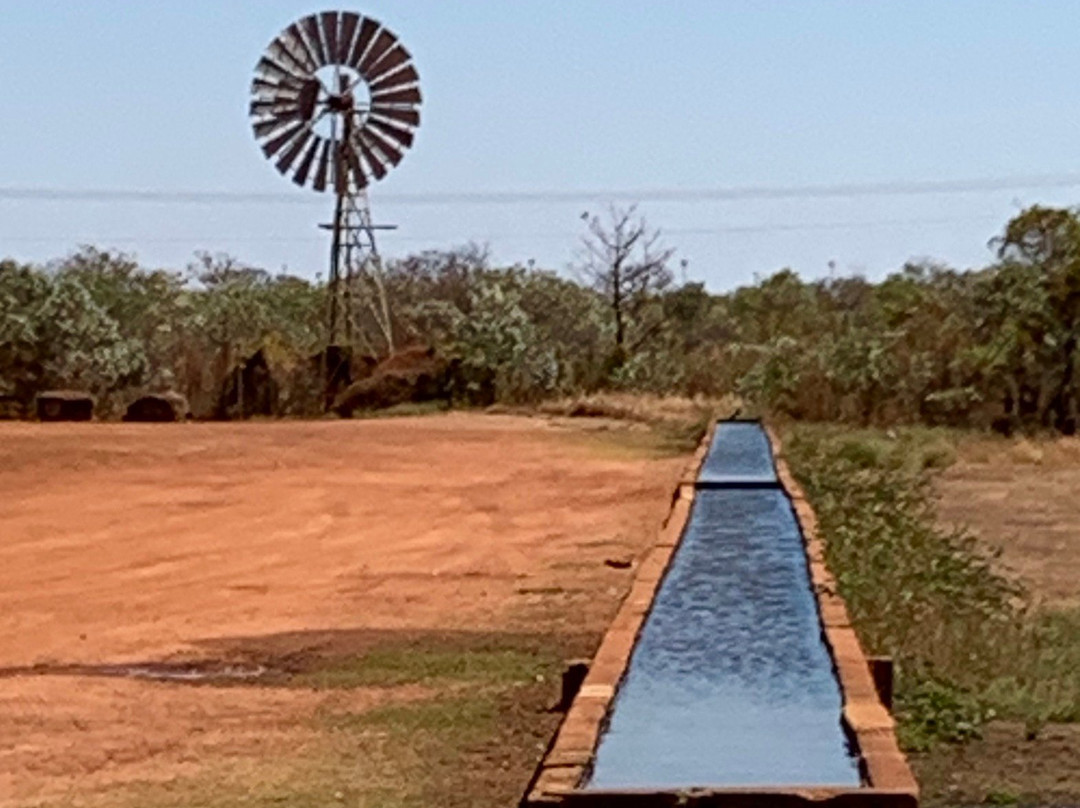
{"x": 392, "y": 667}
{"x": 623, "y": 441}
{"x": 473, "y": 746}
{"x": 451, "y": 724}
{"x": 408, "y": 410}
{"x": 968, "y": 645}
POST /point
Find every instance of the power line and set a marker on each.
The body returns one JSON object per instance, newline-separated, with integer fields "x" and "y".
{"x": 547, "y": 234}
{"x": 678, "y": 195}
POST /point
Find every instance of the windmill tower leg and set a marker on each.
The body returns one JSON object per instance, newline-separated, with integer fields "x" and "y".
{"x": 336, "y": 357}
{"x": 358, "y": 306}
{"x": 334, "y": 312}
{"x": 366, "y": 278}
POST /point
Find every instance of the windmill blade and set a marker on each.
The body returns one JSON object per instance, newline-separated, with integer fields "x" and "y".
{"x": 288, "y": 157}
{"x": 271, "y": 106}
{"x": 304, "y": 169}
{"x": 261, "y": 86}
{"x": 319, "y": 183}
{"x": 262, "y": 107}
{"x": 350, "y": 21}
{"x": 277, "y": 98}
{"x": 406, "y": 75}
{"x": 276, "y": 121}
{"x": 410, "y": 117}
{"x": 297, "y": 52}
{"x": 403, "y": 137}
{"x": 329, "y": 24}
{"x": 273, "y": 124}
{"x": 295, "y": 36}
{"x": 286, "y": 58}
{"x": 372, "y": 160}
{"x": 391, "y": 60}
{"x": 383, "y": 42}
{"x": 273, "y": 146}
{"x": 265, "y": 102}
{"x": 382, "y": 145}
{"x": 271, "y": 70}
{"x": 310, "y": 27}
{"x": 410, "y": 95}
{"x": 308, "y": 99}
{"x": 389, "y": 150}
{"x": 368, "y": 29}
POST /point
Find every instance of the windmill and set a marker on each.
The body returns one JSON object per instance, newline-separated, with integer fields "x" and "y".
{"x": 334, "y": 104}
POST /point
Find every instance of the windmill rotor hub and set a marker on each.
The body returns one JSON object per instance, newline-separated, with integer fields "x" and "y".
{"x": 343, "y": 103}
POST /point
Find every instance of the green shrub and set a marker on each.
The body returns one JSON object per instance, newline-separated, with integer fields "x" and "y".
{"x": 967, "y": 642}
{"x": 931, "y": 711}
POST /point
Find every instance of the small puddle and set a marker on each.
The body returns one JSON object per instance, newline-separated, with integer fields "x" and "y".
{"x": 187, "y": 672}
{"x": 730, "y": 683}
{"x": 166, "y": 672}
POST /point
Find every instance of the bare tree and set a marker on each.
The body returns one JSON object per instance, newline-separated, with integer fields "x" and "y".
{"x": 624, "y": 260}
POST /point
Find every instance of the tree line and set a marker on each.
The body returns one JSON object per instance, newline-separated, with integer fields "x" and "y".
{"x": 993, "y": 346}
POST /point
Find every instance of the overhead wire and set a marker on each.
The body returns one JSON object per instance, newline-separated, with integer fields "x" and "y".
{"x": 676, "y": 195}
{"x": 546, "y": 235}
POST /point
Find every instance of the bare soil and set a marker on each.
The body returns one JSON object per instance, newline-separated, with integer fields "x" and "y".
{"x": 1006, "y": 766}
{"x": 275, "y": 543}
{"x": 1023, "y": 498}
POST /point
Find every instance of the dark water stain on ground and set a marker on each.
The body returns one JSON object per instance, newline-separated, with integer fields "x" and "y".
{"x": 730, "y": 683}
{"x": 202, "y": 672}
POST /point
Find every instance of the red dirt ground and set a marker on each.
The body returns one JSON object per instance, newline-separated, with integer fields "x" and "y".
{"x": 131, "y": 543}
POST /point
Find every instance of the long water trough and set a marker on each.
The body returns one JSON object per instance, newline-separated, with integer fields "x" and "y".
{"x": 731, "y": 675}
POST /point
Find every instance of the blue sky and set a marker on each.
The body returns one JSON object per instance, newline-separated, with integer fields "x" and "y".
{"x": 565, "y": 103}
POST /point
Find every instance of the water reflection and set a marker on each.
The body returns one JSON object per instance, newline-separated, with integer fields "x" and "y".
{"x": 731, "y": 683}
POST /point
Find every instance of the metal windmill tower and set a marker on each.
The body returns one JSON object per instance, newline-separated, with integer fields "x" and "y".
{"x": 334, "y": 103}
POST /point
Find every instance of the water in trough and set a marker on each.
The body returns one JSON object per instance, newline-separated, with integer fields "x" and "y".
{"x": 740, "y": 455}
{"x": 730, "y": 683}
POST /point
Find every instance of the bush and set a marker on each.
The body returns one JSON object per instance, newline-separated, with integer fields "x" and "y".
{"x": 967, "y": 643}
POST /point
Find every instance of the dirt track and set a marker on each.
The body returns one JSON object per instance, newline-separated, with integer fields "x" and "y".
{"x": 125, "y": 543}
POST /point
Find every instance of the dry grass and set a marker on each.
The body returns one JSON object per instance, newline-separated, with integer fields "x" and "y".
{"x": 1020, "y": 496}
{"x": 642, "y": 407}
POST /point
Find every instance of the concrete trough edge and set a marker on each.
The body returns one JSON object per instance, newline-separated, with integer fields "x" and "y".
{"x": 888, "y": 780}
